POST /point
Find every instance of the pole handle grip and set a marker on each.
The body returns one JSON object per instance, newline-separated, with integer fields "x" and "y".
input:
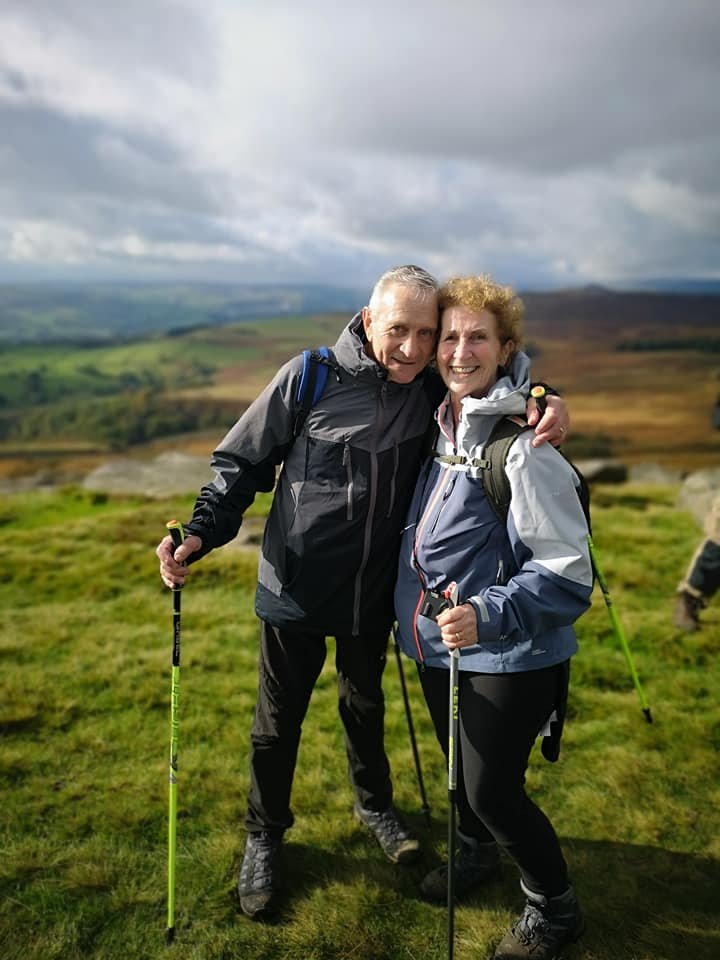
{"x": 176, "y": 532}
{"x": 539, "y": 395}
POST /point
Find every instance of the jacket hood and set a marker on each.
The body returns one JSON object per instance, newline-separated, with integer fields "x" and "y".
{"x": 350, "y": 351}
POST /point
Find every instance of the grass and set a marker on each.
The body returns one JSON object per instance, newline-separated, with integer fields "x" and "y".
{"x": 84, "y": 724}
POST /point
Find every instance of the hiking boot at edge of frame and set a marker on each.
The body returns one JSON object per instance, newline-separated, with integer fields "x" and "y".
{"x": 397, "y": 841}
{"x": 687, "y": 611}
{"x": 475, "y": 864}
{"x": 258, "y": 880}
{"x": 546, "y": 927}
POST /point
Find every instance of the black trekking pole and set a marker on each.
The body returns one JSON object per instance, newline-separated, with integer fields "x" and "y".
{"x": 176, "y": 532}
{"x": 619, "y": 632}
{"x": 453, "y": 723}
{"x": 411, "y": 728}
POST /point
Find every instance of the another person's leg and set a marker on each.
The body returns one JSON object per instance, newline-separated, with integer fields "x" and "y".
{"x": 289, "y": 666}
{"x": 360, "y": 664}
{"x": 701, "y": 582}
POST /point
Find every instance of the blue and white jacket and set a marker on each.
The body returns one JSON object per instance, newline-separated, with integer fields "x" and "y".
{"x": 528, "y": 579}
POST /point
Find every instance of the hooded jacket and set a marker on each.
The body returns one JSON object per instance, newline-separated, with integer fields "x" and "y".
{"x": 330, "y": 547}
{"x": 529, "y": 578}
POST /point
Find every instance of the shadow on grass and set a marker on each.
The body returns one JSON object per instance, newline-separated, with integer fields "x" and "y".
{"x": 640, "y": 902}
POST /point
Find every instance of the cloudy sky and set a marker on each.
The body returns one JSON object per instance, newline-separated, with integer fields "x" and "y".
{"x": 552, "y": 143}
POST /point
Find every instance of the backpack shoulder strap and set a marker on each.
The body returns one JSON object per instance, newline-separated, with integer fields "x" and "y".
{"x": 316, "y": 364}
{"x": 494, "y": 478}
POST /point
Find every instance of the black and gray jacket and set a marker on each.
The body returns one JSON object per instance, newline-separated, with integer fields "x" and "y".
{"x": 330, "y": 548}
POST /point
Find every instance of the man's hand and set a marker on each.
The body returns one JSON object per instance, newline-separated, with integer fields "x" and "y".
{"x": 172, "y": 562}
{"x": 553, "y": 425}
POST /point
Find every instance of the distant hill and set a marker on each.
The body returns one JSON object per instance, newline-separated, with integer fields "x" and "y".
{"x": 106, "y": 312}
{"x": 109, "y": 312}
{"x": 596, "y": 311}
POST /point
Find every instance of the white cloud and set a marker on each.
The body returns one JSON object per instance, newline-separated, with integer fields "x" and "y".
{"x": 552, "y": 142}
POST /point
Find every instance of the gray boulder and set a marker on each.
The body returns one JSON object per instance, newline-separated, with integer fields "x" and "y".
{"x": 168, "y": 473}
{"x": 602, "y": 470}
{"x": 697, "y": 492}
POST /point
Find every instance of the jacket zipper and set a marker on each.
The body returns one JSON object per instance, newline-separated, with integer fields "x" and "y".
{"x": 367, "y": 537}
{"x": 396, "y": 458}
{"x": 348, "y": 473}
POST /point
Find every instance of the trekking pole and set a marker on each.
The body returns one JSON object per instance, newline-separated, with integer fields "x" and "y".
{"x": 617, "y": 627}
{"x": 411, "y": 728}
{"x": 176, "y": 532}
{"x": 453, "y": 723}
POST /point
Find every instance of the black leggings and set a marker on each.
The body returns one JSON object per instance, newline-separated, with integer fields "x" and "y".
{"x": 500, "y": 718}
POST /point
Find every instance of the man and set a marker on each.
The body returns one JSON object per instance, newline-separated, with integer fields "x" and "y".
{"x": 329, "y": 556}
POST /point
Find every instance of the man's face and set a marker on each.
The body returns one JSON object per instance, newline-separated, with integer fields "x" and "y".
{"x": 401, "y": 331}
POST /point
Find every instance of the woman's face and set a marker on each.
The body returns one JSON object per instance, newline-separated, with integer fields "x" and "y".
{"x": 469, "y": 351}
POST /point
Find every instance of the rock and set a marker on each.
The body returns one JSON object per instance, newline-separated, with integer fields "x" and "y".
{"x": 653, "y": 473}
{"x": 168, "y": 473}
{"x": 603, "y": 470}
{"x": 698, "y": 491}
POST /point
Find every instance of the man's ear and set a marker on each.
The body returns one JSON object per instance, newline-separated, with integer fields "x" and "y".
{"x": 366, "y": 319}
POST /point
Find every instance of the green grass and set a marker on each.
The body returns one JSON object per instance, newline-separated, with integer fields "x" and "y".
{"x": 85, "y": 636}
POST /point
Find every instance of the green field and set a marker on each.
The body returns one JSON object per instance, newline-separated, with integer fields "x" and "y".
{"x": 84, "y": 727}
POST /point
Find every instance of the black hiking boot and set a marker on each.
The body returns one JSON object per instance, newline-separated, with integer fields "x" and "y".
{"x": 475, "y": 863}
{"x": 547, "y": 925}
{"x": 391, "y": 833}
{"x": 687, "y": 611}
{"x": 258, "y": 880}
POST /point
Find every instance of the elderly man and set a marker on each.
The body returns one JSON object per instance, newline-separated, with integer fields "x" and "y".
{"x": 329, "y": 555}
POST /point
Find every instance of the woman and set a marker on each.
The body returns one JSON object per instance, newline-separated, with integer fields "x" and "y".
{"x": 522, "y": 583}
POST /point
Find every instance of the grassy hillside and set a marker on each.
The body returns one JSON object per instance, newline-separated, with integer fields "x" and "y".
{"x": 85, "y": 637}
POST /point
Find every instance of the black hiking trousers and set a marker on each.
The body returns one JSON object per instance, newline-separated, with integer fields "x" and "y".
{"x": 500, "y": 716}
{"x": 290, "y": 663}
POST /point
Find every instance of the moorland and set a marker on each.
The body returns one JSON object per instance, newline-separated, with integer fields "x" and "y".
{"x": 85, "y": 644}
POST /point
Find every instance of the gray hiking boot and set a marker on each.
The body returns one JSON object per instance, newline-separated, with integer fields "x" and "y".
{"x": 687, "y": 611}
{"x": 547, "y": 925}
{"x": 258, "y": 880}
{"x": 391, "y": 833}
{"x": 475, "y": 863}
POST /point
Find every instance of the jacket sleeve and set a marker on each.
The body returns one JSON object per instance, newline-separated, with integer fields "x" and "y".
{"x": 246, "y": 459}
{"x": 548, "y": 532}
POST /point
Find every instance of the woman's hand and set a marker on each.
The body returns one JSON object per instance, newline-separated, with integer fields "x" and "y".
{"x": 458, "y": 626}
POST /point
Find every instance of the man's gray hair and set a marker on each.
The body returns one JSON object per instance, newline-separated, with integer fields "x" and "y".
{"x": 406, "y": 276}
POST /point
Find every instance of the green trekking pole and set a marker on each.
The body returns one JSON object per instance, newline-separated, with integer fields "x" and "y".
{"x": 619, "y": 633}
{"x": 176, "y": 532}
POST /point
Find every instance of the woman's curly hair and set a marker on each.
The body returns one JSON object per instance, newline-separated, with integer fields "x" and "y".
{"x": 482, "y": 293}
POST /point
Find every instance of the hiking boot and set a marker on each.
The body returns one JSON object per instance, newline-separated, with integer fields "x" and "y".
{"x": 475, "y": 863}
{"x": 258, "y": 880}
{"x": 547, "y": 925}
{"x": 687, "y": 610}
{"x": 391, "y": 833}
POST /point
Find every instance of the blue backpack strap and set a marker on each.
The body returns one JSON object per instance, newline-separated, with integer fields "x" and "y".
{"x": 312, "y": 383}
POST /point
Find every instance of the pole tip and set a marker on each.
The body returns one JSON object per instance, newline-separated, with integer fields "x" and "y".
{"x": 648, "y": 715}
{"x": 170, "y": 934}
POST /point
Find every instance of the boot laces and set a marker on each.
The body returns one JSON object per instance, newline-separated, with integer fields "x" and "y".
{"x": 532, "y": 925}
{"x": 258, "y": 860}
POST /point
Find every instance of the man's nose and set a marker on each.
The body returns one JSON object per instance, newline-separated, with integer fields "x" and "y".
{"x": 411, "y": 346}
